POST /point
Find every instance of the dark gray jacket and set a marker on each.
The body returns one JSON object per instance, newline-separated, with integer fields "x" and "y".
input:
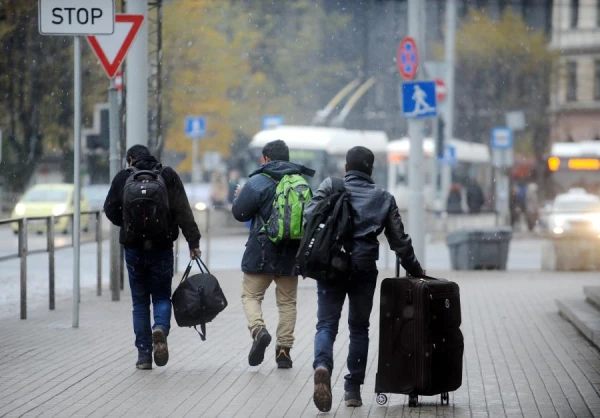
{"x": 374, "y": 210}
{"x": 254, "y": 202}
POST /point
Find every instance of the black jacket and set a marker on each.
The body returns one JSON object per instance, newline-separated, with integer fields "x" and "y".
{"x": 254, "y": 202}
{"x": 181, "y": 213}
{"x": 374, "y": 210}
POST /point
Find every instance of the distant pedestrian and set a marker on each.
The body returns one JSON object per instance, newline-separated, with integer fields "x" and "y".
{"x": 266, "y": 261}
{"x": 475, "y": 197}
{"x": 149, "y": 203}
{"x": 532, "y": 205}
{"x": 373, "y": 212}
{"x": 454, "y": 202}
{"x": 219, "y": 190}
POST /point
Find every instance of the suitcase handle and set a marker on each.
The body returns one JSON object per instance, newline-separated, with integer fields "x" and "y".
{"x": 201, "y": 266}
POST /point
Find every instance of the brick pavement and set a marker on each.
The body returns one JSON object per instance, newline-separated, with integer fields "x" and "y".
{"x": 521, "y": 359}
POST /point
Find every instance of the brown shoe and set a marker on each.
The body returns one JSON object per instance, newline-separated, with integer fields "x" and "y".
{"x": 322, "y": 396}
{"x": 161, "y": 349}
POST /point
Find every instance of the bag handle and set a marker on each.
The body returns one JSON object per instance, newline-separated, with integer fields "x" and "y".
{"x": 145, "y": 173}
{"x": 201, "y": 266}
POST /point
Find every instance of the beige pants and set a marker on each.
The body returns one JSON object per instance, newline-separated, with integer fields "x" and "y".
{"x": 253, "y": 293}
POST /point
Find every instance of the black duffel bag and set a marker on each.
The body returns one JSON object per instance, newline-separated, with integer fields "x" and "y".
{"x": 198, "y": 299}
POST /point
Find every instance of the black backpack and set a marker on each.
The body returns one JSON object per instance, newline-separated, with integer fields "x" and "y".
{"x": 326, "y": 247}
{"x": 146, "y": 213}
{"x": 198, "y": 299}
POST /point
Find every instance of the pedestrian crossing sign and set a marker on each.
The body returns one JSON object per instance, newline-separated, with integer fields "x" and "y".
{"x": 419, "y": 99}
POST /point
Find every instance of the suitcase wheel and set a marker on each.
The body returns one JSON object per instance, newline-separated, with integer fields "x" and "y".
{"x": 381, "y": 399}
{"x": 413, "y": 400}
{"x": 445, "y": 398}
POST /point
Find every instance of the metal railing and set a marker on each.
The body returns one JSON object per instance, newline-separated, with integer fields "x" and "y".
{"x": 23, "y": 252}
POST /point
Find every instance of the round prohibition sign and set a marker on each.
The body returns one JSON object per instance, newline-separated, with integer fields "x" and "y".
{"x": 408, "y": 58}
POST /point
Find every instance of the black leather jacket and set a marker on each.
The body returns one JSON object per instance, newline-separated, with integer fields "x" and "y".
{"x": 374, "y": 211}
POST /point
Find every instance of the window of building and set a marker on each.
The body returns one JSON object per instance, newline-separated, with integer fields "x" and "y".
{"x": 571, "y": 81}
{"x": 597, "y": 80}
{"x": 574, "y": 13}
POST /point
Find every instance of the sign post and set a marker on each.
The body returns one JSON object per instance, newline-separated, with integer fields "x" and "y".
{"x": 422, "y": 104}
{"x": 70, "y": 17}
{"x": 195, "y": 128}
{"x": 502, "y": 159}
{"x": 111, "y": 51}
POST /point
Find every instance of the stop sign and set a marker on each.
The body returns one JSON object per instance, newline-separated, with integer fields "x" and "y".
{"x": 441, "y": 91}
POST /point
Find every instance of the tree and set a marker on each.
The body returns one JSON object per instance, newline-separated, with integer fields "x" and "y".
{"x": 36, "y": 92}
{"x": 236, "y": 61}
{"x": 503, "y": 66}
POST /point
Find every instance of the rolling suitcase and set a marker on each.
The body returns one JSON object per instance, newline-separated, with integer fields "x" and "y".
{"x": 420, "y": 342}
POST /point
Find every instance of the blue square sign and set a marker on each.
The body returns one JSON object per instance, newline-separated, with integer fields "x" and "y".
{"x": 419, "y": 99}
{"x": 502, "y": 138}
{"x": 195, "y": 127}
{"x": 272, "y": 121}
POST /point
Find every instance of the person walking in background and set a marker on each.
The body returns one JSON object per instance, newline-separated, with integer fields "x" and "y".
{"x": 475, "y": 197}
{"x": 219, "y": 190}
{"x": 149, "y": 203}
{"x": 454, "y": 202}
{"x": 532, "y": 205}
{"x": 264, "y": 261}
{"x": 373, "y": 211}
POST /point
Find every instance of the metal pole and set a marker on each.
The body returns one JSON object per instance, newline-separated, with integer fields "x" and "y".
{"x": 449, "y": 119}
{"x": 99, "y": 253}
{"x": 51, "y": 264}
{"x": 23, "y": 255}
{"x": 416, "y": 208}
{"x": 137, "y": 79}
{"x": 115, "y": 166}
{"x": 195, "y": 168}
{"x": 207, "y": 257}
{"x": 122, "y": 267}
{"x": 77, "y": 177}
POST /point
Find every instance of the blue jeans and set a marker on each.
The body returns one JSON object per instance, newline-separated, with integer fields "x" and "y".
{"x": 331, "y": 296}
{"x": 150, "y": 277}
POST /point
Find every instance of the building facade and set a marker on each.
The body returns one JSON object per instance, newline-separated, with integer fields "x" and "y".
{"x": 575, "y": 99}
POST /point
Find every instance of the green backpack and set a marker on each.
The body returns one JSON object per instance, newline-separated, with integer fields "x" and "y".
{"x": 287, "y": 217}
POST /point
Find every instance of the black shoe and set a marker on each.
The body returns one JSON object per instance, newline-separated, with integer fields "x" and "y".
{"x": 144, "y": 361}
{"x": 322, "y": 395}
{"x": 262, "y": 339}
{"x": 282, "y": 357}
{"x": 353, "y": 398}
{"x": 161, "y": 349}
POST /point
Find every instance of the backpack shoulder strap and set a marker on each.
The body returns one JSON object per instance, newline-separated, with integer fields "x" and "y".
{"x": 338, "y": 185}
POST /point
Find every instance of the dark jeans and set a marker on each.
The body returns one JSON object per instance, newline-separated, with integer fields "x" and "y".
{"x": 150, "y": 276}
{"x": 331, "y": 296}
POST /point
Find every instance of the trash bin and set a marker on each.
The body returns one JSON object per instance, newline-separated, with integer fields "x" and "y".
{"x": 479, "y": 249}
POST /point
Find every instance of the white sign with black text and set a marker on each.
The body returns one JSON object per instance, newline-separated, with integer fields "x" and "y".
{"x": 76, "y": 17}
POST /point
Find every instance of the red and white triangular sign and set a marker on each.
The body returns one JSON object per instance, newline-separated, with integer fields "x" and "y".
{"x": 112, "y": 49}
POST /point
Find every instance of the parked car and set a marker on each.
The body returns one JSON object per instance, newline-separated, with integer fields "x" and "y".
{"x": 49, "y": 200}
{"x": 575, "y": 213}
{"x": 96, "y": 195}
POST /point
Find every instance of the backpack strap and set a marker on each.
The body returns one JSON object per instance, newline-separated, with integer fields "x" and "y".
{"x": 337, "y": 185}
{"x": 202, "y": 332}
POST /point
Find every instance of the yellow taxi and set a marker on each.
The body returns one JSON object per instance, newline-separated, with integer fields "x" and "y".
{"x": 48, "y": 200}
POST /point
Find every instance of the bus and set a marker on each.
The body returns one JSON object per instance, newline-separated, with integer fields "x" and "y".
{"x": 473, "y": 162}
{"x": 323, "y": 149}
{"x": 575, "y": 165}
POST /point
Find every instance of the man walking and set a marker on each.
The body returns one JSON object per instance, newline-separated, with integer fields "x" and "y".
{"x": 373, "y": 211}
{"x": 265, "y": 261}
{"x": 149, "y": 203}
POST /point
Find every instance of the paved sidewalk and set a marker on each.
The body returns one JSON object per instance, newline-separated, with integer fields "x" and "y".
{"x": 521, "y": 359}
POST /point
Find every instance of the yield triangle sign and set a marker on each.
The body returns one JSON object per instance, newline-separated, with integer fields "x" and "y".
{"x": 112, "y": 49}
